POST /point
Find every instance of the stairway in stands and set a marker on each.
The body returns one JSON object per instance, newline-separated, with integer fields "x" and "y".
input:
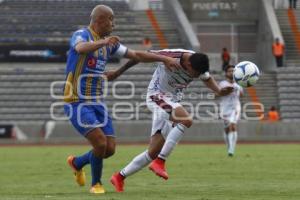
{"x": 266, "y": 91}
{"x": 292, "y": 53}
{"x": 167, "y": 26}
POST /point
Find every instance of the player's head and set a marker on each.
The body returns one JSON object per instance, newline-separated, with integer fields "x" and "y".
{"x": 229, "y": 71}
{"x": 198, "y": 64}
{"x": 102, "y": 20}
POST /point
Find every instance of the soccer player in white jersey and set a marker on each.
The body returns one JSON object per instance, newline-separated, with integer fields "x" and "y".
{"x": 230, "y": 109}
{"x": 170, "y": 119}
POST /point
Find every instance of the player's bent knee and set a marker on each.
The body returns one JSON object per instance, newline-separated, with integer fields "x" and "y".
{"x": 187, "y": 123}
{"x": 100, "y": 149}
{"x": 109, "y": 153}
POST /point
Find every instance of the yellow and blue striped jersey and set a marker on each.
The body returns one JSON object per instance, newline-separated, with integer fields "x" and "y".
{"x": 83, "y": 71}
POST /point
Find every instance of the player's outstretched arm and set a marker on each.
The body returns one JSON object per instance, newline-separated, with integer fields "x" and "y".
{"x": 113, "y": 74}
{"x": 86, "y": 47}
{"x": 212, "y": 84}
{"x": 143, "y": 56}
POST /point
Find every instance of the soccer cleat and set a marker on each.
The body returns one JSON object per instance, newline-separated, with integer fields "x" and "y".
{"x": 230, "y": 154}
{"x": 118, "y": 181}
{"x": 78, "y": 174}
{"x": 158, "y": 167}
{"x": 97, "y": 189}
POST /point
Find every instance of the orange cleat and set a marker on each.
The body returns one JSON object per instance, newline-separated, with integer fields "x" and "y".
{"x": 79, "y": 175}
{"x": 158, "y": 167}
{"x": 118, "y": 181}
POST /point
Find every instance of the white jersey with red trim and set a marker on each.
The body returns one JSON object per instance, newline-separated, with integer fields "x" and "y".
{"x": 171, "y": 82}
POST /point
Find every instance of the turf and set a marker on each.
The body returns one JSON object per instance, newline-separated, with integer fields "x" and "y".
{"x": 198, "y": 172}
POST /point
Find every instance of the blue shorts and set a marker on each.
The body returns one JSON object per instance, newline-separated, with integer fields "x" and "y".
{"x": 87, "y": 116}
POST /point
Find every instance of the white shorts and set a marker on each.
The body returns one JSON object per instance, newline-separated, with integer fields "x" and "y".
{"x": 161, "y": 106}
{"x": 231, "y": 117}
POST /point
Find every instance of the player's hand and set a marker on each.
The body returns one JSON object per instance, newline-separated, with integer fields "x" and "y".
{"x": 111, "y": 75}
{"x": 172, "y": 63}
{"x": 111, "y": 40}
{"x": 226, "y": 91}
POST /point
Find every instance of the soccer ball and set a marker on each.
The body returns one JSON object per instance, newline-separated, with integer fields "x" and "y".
{"x": 246, "y": 74}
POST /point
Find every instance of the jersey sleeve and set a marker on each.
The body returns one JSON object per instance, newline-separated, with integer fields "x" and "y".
{"x": 119, "y": 50}
{"x": 79, "y": 36}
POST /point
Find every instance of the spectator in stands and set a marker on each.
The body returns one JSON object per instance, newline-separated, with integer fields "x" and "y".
{"x": 225, "y": 58}
{"x": 90, "y": 49}
{"x": 293, "y": 4}
{"x": 273, "y": 114}
{"x": 278, "y": 52}
{"x": 147, "y": 43}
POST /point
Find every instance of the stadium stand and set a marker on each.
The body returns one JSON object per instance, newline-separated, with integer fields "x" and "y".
{"x": 289, "y": 95}
{"x": 218, "y": 27}
{"x": 25, "y": 92}
{"x": 287, "y": 20}
{"x": 48, "y": 24}
{"x": 288, "y": 77}
{"x": 167, "y": 26}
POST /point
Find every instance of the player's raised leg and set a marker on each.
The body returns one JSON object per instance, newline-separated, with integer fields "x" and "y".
{"x": 183, "y": 120}
{"x": 77, "y": 164}
{"x": 139, "y": 162}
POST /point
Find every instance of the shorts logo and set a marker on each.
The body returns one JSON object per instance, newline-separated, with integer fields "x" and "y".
{"x": 91, "y": 63}
{"x": 161, "y": 103}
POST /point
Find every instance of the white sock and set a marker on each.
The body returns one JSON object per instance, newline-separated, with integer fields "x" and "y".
{"x": 235, "y": 137}
{"x": 173, "y": 138}
{"x": 231, "y": 142}
{"x": 138, "y": 163}
{"x": 226, "y": 140}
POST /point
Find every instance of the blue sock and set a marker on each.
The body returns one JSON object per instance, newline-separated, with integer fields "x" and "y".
{"x": 81, "y": 161}
{"x": 96, "y": 168}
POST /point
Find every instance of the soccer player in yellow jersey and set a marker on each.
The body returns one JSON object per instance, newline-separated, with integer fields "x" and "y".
{"x": 90, "y": 49}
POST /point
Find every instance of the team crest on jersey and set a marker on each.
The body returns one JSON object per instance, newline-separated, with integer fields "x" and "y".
{"x": 91, "y": 62}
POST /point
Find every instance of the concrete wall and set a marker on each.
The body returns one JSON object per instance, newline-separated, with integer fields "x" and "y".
{"x": 184, "y": 27}
{"x": 137, "y": 131}
{"x": 268, "y": 30}
{"x": 235, "y": 11}
{"x": 222, "y": 10}
{"x": 139, "y": 4}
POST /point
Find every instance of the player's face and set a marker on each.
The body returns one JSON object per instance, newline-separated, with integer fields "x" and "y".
{"x": 109, "y": 23}
{"x": 105, "y": 24}
{"x": 193, "y": 73}
{"x": 229, "y": 73}
{"x": 187, "y": 66}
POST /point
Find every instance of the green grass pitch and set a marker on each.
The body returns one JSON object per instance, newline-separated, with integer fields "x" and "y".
{"x": 197, "y": 172}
